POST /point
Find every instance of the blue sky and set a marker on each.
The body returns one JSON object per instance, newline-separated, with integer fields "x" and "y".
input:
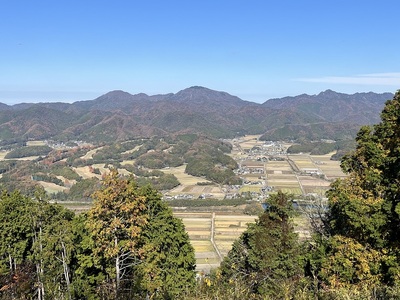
{"x": 257, "y": 50}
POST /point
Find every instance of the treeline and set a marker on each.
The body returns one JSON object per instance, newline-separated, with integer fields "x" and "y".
{"x": 28, "y": 151}
{"x": 321, "y": 148}
{"x": 128, "y": 246}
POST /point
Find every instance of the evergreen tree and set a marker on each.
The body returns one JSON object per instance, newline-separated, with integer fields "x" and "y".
{"x": 363, "y": 248}
{"x": 267, "y": 255}
{"x": 167, "y": 268}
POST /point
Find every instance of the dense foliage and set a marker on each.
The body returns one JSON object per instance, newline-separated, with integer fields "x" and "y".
{"x": 128, "y": 246}
{"x": 321, "y": 148}
{"x": 364, "y": 208}
{"x": 29, "y": 151}
{"x": 266, "y": 256}
{"x": 143, "y": 158}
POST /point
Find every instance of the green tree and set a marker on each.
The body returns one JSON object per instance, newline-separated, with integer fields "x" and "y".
{"x": 35, "y": 239}
{"x": 267, "y": 255}
{"x": 362, "y": 246}
{"x": 88, "y": 269}
{"x": 16, "y": 242}
{"x": 167, "y": 268}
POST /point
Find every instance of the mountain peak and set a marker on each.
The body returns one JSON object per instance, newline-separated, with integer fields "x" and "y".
{"x": 116, "y": 94}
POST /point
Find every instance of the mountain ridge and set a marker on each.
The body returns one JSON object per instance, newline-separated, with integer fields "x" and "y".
{"x": 118, "y": 115}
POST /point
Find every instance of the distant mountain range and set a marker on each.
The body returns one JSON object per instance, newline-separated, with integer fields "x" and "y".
{"x": 118, "y": 116}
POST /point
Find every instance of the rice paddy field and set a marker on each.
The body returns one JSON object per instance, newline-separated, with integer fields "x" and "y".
{"x": 249, "y": 141}
{"x": 330, "y": 168}
{"x": 85, "y": 172}
{"x": 303, "y": 162}
{"x": 280, "y": 176}
{"x": 212, "y": 235}
{"x": 184, "y": 179}
{"x": 297, "y": 173}
{"x": 52, "y": 187}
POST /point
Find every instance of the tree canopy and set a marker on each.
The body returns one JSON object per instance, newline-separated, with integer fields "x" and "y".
{"x": 127, "y": 246}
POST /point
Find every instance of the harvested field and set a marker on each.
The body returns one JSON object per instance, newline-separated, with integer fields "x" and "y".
{"x": 250, "y": 188}
{"x": 197, "y": 190}
{"x": 184, "y": 179}
{"x": 249, "y": 141}
{"x": 278, "y": 166}
{"x": 128, "y": 162}
{"x": 303, "y": 161}
{"x": 85, "y": 172}
{"x": 35, "y": 143}
{"x": 330, "y": 168}
{"x": 52, "y": 188}
{"x": 204, "y": 230}
{"x": 89, "y": 154}
{"x": 132, "y": 150}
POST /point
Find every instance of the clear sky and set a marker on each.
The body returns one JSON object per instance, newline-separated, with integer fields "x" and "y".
{"x": 257, "y": 50}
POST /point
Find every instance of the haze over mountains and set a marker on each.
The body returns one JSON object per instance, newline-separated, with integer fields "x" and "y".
{"x": 119, "y": 115}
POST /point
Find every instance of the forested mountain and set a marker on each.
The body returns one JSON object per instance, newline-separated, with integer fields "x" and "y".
{"x": 359, "y": 108}
{"x": 119, "y": 115}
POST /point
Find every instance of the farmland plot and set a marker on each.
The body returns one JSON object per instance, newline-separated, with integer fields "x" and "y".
{"x": 329, "y": 167}
{"x": 189, "y": 184}
{"x": 280, "y": 176}
{"x": 212, "y": 237}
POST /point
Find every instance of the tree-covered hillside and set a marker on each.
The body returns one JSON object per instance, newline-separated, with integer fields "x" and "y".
{"x": 144, "y": 158}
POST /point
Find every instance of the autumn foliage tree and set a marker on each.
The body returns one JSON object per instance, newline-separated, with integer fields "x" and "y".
{"x": 143, "y": 249}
